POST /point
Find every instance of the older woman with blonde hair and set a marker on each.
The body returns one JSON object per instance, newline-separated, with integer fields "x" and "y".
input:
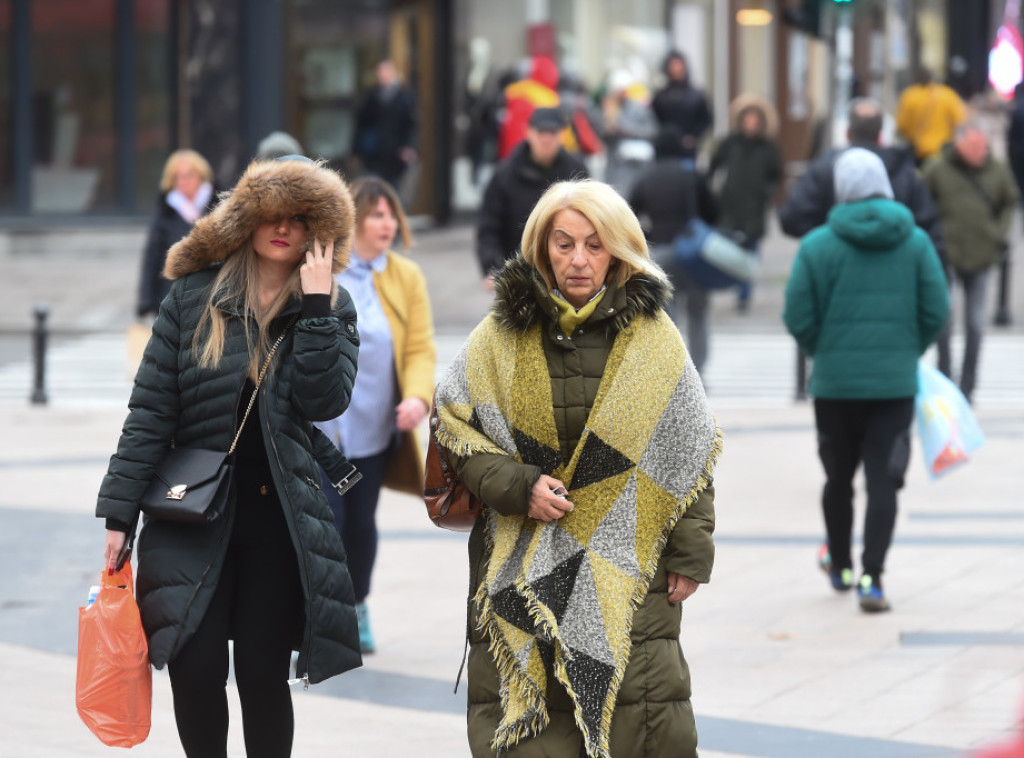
{"x": 576, "y": 415}
{"x": 186, "y": 194}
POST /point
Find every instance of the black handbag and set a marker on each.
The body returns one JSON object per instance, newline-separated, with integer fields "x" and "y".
{"x": 192, "y": 485}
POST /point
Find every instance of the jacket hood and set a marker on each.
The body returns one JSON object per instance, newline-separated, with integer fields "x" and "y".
{"x": 519, "y": 291}
{"x": 268, "y": 190}
{"x": 544, "y": 70}
{"x": 873, "y": 224}
{"x": 859, "y": 174}
{"x": 742, "y": 102}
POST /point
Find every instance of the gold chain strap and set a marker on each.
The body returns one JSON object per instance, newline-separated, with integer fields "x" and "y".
{"x": 259, "y": 381}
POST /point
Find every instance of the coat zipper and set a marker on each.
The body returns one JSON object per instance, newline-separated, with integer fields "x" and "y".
{"x": 302, "y": 547}
{"x": 216, "y": 548}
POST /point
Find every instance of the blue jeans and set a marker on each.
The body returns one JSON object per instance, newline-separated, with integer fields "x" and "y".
{"x": 974, "y": 285}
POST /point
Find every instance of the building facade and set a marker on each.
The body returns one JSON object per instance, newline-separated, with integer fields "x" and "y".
{"x": 94, "y": 94}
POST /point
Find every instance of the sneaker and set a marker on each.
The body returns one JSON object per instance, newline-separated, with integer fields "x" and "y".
{"x": 842, "y": 579}
{"x": 365, "y": 633}
{"x": 869, "y": 592}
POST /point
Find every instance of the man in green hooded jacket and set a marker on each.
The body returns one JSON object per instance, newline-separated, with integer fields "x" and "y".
{"x": 865, "y": 298}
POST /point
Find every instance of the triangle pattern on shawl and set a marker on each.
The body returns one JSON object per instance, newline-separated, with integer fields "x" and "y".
{"x": 615, "y": 537}
{"x": 535, "y": 454}
{"x": 580, "y": 667}
{"x": 556, "y": 587}
{"x": 598, "y": 460}
{"x": 583, "y": 616}
{"x": 511, "y": 606}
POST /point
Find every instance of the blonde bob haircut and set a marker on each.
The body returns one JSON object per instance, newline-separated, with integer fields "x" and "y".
{"x": 190, "y": 158}
{"x": 612, "y": 218}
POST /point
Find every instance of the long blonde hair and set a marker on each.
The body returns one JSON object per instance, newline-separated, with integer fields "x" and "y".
{"x": 613, "y": 219}
{"x": 237, "y": 284}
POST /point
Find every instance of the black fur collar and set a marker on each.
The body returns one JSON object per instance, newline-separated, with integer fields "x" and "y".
{"x": 519, "y": 292}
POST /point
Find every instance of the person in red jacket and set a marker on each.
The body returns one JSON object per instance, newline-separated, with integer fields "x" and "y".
{"x": 538, "y": 90}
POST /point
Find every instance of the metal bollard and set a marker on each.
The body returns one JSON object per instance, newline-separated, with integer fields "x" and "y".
{"x": 39, "y": 335}
{"x": 1002, "y": 317}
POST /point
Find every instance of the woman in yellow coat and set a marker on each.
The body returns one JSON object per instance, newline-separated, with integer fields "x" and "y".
{"x": 394, "y": 384}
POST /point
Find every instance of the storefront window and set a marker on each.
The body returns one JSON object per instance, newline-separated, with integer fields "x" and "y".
{"x": 6, "y": 125}
{"x": 153, "y": 87}
{"x": 73, "y": 106}
{"x": 331, "y": 57}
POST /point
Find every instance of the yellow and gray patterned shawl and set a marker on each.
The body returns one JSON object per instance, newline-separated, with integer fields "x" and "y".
{"x": 560, "y": 596}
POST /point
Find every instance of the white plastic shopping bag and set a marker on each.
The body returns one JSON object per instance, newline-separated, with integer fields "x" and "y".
{"x": 947, "y": 426}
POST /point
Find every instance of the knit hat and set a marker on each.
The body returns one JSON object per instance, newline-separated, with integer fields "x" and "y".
{"x": 860, "y": 174}
{"x": 276, "y": 144}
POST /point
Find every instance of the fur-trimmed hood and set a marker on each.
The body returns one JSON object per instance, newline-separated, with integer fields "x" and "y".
{"x": 269, "y": 190}
{"x": 520, "y": 293}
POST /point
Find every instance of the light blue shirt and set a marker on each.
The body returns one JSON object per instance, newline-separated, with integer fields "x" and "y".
{"x": 368, "y": 426}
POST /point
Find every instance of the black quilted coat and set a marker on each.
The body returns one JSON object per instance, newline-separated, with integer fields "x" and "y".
{"x": 173, "y": 399}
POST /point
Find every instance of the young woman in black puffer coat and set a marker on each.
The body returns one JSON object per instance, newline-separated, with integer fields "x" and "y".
{"x": 270, "y": 572}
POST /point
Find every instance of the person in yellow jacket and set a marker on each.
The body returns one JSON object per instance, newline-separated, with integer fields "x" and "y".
{"x": 927, "y": 115}
{"x": 394, "y": 384}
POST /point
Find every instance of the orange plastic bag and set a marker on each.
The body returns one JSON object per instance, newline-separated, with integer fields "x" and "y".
{"x": 114, "y": 687}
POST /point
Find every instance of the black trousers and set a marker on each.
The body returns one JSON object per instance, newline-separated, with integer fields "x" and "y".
{"x": 257, "y": 603}
{"x": 877, "y": 434}
{"x": 355, "y": 515}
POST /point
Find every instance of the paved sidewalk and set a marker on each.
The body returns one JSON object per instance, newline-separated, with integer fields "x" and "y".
{"x": 782, "y": 666}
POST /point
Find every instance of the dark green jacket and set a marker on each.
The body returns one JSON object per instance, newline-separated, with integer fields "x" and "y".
{"x": 865, "y": 298}
{"x": 975, "y": 205}
{"x": 753, "y": 169}
{"x": 173, "y": 399}
{"x": 652, "y": 713}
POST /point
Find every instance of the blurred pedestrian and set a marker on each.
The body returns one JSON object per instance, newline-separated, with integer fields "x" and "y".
{"x": 680, "y": 103}
{"x": 581, "y": 138}
{"x": 385, "y": 133}
{"x": 666, "y": 195}
{"x": 252, "y": 282}
{"x": 747, "y": 165}
{"x": 1015, "y": 154}
{"x": 628, "y": 130}
{"x": 865, "y": 299}
{"x": 539, "y": 89}
{"x": 517, "y": 185}
{"x": 186, "y": 194}
{"x": 927, "y": 114}
{"x": 976, "y": 198}
{"x": 277, "y": 145}
{"x": 576, "y": 415}
{"x": 483, "y": 96}
{"x": 812, "y": 196}
{"x": 395, "y": 384}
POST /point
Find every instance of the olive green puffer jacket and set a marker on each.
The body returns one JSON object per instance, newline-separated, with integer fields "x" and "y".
{"x": 653, "y": 716}
{"x": 173, "y": 399}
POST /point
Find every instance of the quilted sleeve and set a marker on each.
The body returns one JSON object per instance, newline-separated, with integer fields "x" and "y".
{"x": 325, "y": 351}
{"x": 152, "y": 417}
{"x": 690, "y": 550}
